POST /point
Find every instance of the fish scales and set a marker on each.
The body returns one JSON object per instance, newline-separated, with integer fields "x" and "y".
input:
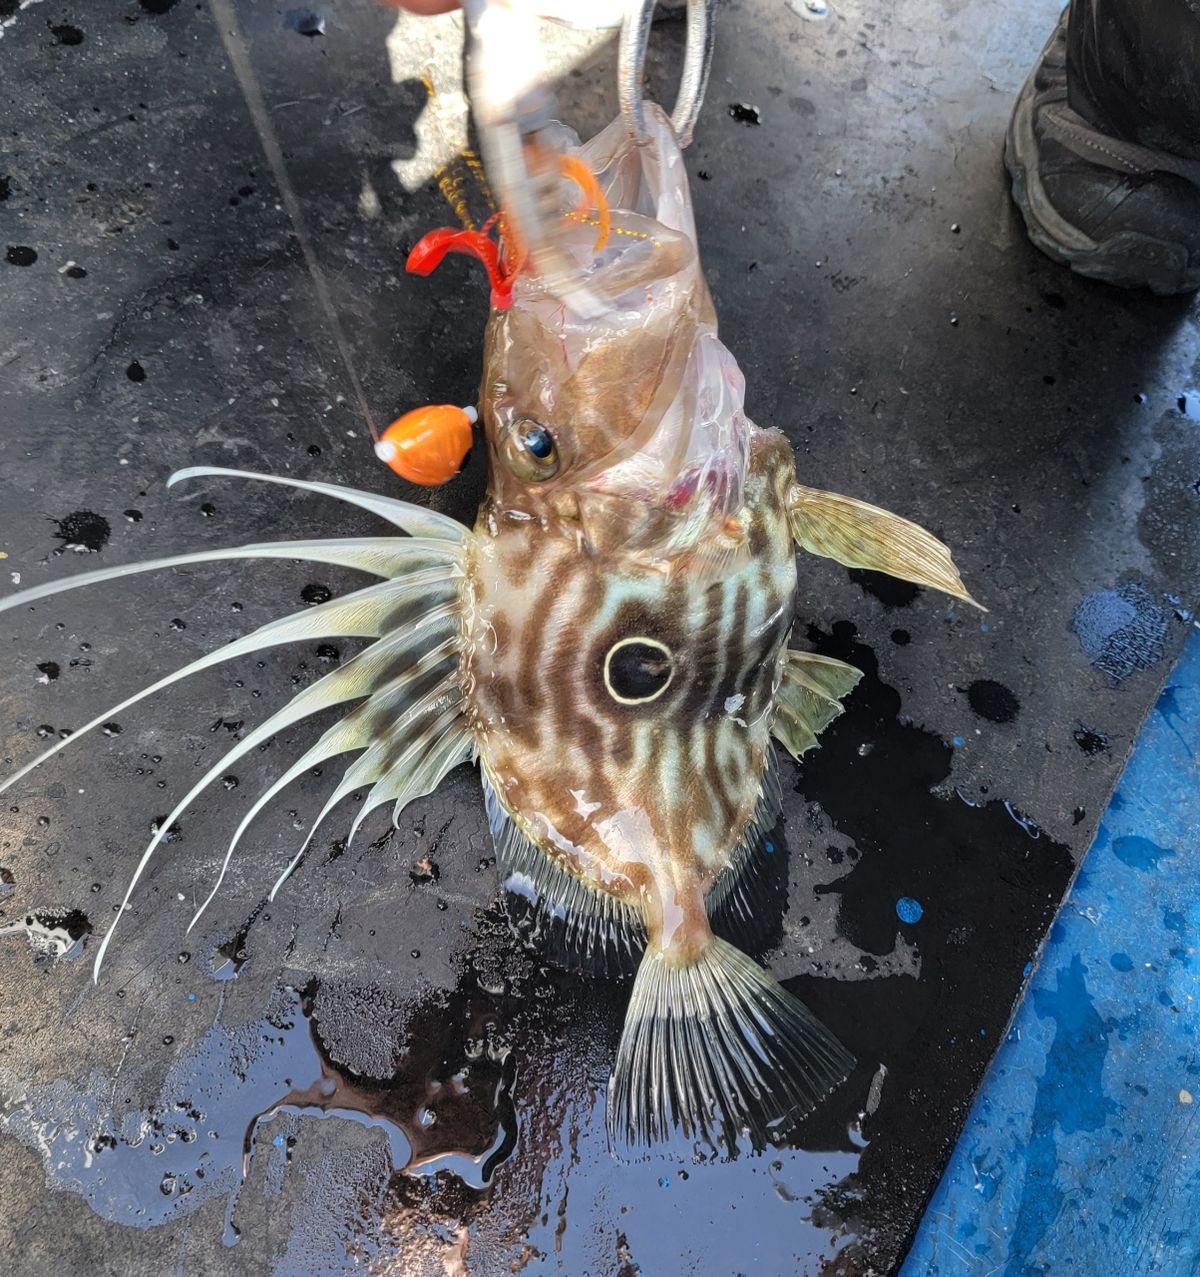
{"x": 539, "y": 705}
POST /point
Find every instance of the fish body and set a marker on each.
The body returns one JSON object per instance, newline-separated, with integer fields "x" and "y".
{"x": 610, "y": 643}
{"x": 629, "y": 592}
{"x": 623, "y": 713}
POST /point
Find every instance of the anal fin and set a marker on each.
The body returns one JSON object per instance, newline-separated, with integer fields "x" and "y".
{"x": 566, "y": 919}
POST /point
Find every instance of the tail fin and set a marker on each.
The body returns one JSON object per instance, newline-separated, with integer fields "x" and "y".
{"x": 717, "y": 1050}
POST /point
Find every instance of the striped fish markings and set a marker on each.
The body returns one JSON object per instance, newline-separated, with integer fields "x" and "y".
{"x": 610, "y": 643}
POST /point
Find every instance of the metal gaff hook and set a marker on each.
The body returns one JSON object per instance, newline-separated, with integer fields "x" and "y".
{"x": 515, "y": 111}
{"x": 631, "y": 64}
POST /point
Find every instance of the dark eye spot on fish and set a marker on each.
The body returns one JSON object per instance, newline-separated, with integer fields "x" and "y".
{"x": 315, "y": 593}
{"x": 993, "y": 701}
{"x": 1121, "y": 630}
{"x": 20, "y": 255}
{"x": 887, "y": 589}
{"x": 744, "y": 113}
{"x": 638, "y": 670}
{"x": 901, "y": 638}
{"x": 1090, "y": 741}
{"x": 83, "y": 532}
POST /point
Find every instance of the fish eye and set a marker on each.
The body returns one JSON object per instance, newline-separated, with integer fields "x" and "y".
{"x": 637, "y": 670}
{"x": 530, "y": 451}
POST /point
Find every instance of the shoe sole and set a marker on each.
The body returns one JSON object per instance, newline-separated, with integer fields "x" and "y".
{"x": 1126, "y": 260}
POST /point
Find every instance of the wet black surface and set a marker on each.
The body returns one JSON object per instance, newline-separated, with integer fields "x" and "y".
{"x": 875, "y": 285}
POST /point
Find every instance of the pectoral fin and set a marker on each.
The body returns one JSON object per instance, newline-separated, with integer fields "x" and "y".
{"x": 858, "y": 535}
{"x": 810, "y": 698}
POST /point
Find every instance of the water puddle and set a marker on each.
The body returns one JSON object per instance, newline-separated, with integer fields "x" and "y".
{"x": 52, "y": 933}
{"x": 216, "y": 1115}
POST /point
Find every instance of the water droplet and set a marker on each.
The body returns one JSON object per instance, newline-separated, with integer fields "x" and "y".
{"x": 744, "y": 113}
{"x": 304, "y": 22}
{"x": 65, "y": 34}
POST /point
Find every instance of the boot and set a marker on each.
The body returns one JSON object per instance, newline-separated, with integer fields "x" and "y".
{"x": 1104, "y": 144}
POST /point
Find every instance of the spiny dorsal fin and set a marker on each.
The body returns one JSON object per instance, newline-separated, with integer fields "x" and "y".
{"x": 568, "y": 920}
{"x": 858, "y": 535}
{"x": 809, "y": 698}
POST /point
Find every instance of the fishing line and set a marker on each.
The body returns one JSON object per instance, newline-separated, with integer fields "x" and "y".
{"x": 238, "y": 53}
